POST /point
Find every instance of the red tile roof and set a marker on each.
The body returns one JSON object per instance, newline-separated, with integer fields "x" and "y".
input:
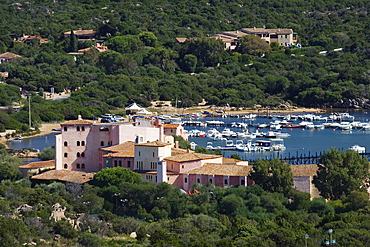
{"x": 171, "y": 126}
{"x": 120, "y": 147}
{"x": 9, "y": 55}
{"x": 230, "y": 160}
{"x": 191, "y": 157}
{"x": 80, "y": 32}
{"x": 265, "y": 30}
{"x": 154, "y": 144}
{"x": 76, "y": 122}
{"x": 65, "y": 176}
{"x": 121, "y": 155}
{"x": 176, "y": 151}
{"x": 304, "y": 170}
{"x": 221, "y": 169}
{"x": 39, "y": 164}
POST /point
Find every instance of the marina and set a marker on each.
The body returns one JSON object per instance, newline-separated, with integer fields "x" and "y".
{"x": 304, "y": 136}
{"x": 301, "y": 136}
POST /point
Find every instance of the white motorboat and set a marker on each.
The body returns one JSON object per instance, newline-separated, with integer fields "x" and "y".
{"x": 227, "y": 132}
{"x": 282, "y": 134}
{"x": 303, "y": 124}
{"x": 212, "y": 132}
{"x": 345, "y": 126}
{"x": 277, "y": 145}
{"x": 262, "y": 126}
{"x": 358, "y": 149}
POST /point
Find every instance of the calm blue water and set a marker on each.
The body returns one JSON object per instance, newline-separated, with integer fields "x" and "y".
{"x": 302, "y": 142}
{"x": 40, "y": 142}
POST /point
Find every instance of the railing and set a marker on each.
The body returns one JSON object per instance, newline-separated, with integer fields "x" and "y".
{"x": 300, "y": 159}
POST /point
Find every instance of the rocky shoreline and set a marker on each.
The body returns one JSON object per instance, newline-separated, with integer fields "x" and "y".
{"x": 357, "y": 103}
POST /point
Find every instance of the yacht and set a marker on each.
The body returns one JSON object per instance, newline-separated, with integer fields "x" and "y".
{"x": 227, "y": 132}
{"x": 345, "y": 126}
{"x": 358, "y": 149}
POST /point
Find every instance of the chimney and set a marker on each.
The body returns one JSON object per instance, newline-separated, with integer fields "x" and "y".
{"x": 79, "y": 117}
{"x": 177, "y": 144}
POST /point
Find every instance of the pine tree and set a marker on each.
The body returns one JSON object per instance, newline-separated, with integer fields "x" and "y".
{"x": 72, "y": 42}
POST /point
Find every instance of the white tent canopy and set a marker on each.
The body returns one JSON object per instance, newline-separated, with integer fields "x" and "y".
{"x": 133, "y": 107}
{"x": 144, "y": 112}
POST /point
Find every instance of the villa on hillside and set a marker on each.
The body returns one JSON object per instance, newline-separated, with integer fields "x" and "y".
{"x": 284, "y": 37}
{"x": 81, "y": 35}
{"x": 147, "y": 147}
{"x": 7, "y": 56}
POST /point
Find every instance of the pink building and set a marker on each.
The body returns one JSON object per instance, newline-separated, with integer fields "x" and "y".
{"x": 77, "y": 147}
{"x": 175, "y": 129}
{"x": 119, "y": 155}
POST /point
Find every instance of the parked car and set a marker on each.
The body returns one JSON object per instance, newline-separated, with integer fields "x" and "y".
{"x": 118, "y": 117}
{"x": 107, "y": 115}
{"x": 106, "y": 120}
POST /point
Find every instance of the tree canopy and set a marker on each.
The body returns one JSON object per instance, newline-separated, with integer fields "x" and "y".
{"x": 341, "y": 173}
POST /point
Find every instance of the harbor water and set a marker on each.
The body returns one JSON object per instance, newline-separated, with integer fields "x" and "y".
{"x": 302, "y": 141}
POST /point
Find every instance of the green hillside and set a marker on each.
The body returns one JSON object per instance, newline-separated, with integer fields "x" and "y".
{"x": 145, "y": 63}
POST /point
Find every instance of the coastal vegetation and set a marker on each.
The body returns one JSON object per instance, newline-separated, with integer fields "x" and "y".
{"x": 145, "y": 62}
{"x": 119, "y": 208}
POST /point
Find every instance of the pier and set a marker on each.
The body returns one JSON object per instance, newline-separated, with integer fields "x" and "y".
{"x": 301, "y": 159}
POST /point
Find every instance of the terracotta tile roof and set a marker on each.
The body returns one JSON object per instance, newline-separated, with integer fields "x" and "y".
{"x": 124, "y": 154}
{"x": 264, "y": 30}
{"x": 224, "y": 38}
{"x": 234, "y": 34}
{"x": 191, "y": 157}
{"x": 154, "y": 144}
{"x": 181, "y": 40}
{"x": 304, "y": 170}
{"x": 230, "y": 160}
{"x": 9, "y": 55}
{"x": 80, "y": 32}
{"x": 39, "y": 164}
{"x": 221, "y": 169}
{"x": 171, "y": 126}
{"x": 65, "y": 176}
{"x": 76, "y": 122}
{"x": 176, "y": 151}
{"x": 126, "y": 146}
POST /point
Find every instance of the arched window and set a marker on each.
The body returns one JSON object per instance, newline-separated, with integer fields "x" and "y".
{"x": 65, "y": 128}
{"x": 65, "y": 154}
{"x": 153, "y": 154}
{"x": 78, "y": 154}
{"x": 83, "y": 154}
{"x": 139, "y": 153}
{"x": 83, "y": 166}
{"x": 102, "y": 143}
{"x": 226, "y": 181}
{"x": 65, "y": 166}
{"x": 78, "y": 128}
{"x": 210, "y": 180}
{"x": 198, "y": 180}
{"x": 83, "y": 143}
{"x": 78, "y": 166}
{"x": 185, "y": 180}
{"x": 83, "y": 128}
{"x": 65, "y": 144}
{"x": 78, "y": 143}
